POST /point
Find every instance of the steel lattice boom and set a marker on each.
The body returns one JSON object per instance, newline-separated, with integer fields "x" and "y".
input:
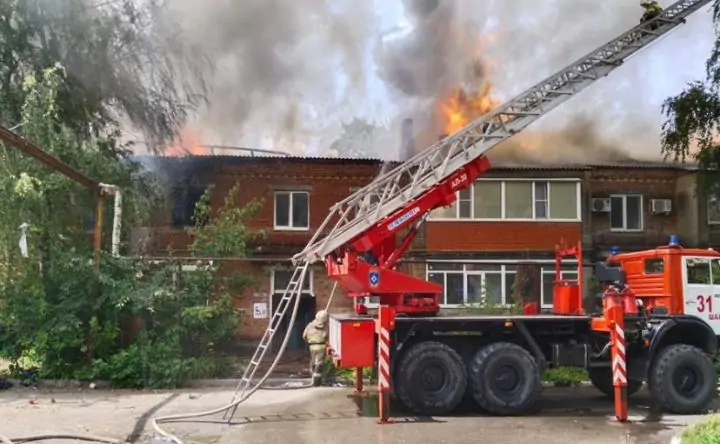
{"x": 393, "y": 190}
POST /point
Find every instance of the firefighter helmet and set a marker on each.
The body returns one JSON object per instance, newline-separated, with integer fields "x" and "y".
{"x": 321, "y": 317}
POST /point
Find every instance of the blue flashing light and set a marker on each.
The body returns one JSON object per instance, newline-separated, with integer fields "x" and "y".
{"x": 614, "y": 250}
{"x": 673, "y": 241}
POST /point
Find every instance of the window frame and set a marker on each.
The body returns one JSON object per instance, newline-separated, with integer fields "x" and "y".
{"x": 503, "y": 197}
{"x": 642, "y": 213}
{"x": 273, "y": 291}
{"x": 710, "y": 201}
{"x": 547, "y": 269}
{"x": 290, "y": 194}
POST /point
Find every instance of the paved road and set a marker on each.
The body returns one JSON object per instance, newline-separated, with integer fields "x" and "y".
{"x": 326, "y": 415}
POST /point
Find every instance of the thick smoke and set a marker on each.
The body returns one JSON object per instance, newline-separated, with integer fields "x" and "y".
{"x": 616, "y": 119}
{"x": 287, "y": 74}
{"x": 276, "y": 64}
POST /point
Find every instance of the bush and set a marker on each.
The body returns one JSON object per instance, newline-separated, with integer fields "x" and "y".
{"x": 133, "y": 323}
{"x": 704, "y": 432}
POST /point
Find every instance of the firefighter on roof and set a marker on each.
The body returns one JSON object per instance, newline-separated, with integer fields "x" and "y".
{"x": 652, "y": 10}
{"x": 316, "y": 336}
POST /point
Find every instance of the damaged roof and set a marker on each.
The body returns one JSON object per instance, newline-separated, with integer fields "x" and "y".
{"x": 247, "y": 159}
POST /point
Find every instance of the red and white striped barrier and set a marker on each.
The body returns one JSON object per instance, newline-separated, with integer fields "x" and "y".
{"x": 619, "y": 358}
{"x": 384, "y": 360}
{"x": 385, "y": 324}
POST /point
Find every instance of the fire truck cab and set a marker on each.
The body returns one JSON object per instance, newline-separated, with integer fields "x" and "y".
{"x": 673, "y": 280}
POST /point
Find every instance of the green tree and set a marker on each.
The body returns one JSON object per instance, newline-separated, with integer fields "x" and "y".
{"x": 133, "y": 322}
{"x": 690, "y": 131}
{"x": 123, "y": 59}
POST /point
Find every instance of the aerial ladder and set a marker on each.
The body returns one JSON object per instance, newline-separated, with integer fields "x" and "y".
{"x": 359, "y": 240}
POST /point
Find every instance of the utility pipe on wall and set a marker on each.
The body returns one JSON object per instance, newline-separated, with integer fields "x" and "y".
{"x": 117, "y": 215}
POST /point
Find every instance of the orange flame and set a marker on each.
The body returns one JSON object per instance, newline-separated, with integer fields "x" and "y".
{"x": 186, "y": 144}
{"x": 459, "y": 107}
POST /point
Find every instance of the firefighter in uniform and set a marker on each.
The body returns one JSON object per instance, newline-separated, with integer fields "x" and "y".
{"x": 652, "y": 10}
{"x": 316, "y": 335}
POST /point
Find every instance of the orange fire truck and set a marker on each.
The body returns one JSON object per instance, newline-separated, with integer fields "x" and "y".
{"x": 659, "y": 322}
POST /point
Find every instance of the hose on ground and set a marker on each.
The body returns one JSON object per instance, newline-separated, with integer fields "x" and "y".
{"x": 174, "y": 418}
{"x": 89, "y": 438}
{"x": 230, "y": 407}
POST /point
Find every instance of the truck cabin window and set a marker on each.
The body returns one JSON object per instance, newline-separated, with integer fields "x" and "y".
{"x": 654, "y": 266}
{"x": 698, "y": 271}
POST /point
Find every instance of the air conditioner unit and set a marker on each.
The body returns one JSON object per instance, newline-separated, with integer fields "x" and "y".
{"x": 660, "y": 206}
{"x": 601, "y": 205}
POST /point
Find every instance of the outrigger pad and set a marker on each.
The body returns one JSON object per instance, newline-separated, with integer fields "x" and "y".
{"x": 609, "y": 275}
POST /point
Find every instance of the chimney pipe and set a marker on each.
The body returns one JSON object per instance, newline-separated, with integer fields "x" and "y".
{"x": 407, "y": 139}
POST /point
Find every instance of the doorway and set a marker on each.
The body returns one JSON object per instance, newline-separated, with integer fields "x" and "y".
{"x": 306, "y": 313}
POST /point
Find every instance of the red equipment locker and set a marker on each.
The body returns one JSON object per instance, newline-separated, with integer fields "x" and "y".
{"x": 352, "y": 341}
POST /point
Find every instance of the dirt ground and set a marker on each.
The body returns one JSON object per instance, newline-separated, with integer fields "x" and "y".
{"x": 324, "y": 415}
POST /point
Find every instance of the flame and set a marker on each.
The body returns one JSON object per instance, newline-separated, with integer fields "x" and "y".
{"x": 459, "y": 107}
{"x": 186, "y": 144}
{"x": 463, "y": 103}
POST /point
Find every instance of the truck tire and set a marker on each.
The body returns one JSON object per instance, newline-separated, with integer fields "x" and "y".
{"x": 682, "y": 379}
{"x": 602, "y": 380}
{"x": 505, "y": 378}
{"x": 431, "y": 378}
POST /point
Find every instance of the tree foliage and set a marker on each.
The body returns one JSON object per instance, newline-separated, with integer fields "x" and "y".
{"x": 135, "y": 323}
{"x": 692, "y": 124}
{"x": 123, "y": 60}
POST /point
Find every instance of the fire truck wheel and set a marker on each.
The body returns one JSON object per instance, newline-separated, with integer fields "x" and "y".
{"x": 682, "y": 379}
{"x": 602, "y": 380}
{"x": 505, "y": 378}
{"x": 431, "y": 378}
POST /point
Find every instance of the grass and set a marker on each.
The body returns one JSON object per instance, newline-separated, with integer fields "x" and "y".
{"x": 704, "y": 432}
{"x": 565, "y": 376}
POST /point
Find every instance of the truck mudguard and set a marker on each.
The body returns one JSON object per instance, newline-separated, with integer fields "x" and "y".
{"x": 683, "y": 330}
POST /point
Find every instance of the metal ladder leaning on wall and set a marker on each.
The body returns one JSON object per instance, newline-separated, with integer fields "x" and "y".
{"x": 290, "y": 296}
{"x": 393, "y": 190}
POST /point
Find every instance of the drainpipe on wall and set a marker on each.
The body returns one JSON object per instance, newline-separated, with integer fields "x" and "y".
{"x": 117, "y": 215}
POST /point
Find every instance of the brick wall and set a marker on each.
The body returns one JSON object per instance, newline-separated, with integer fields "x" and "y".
{"x": 327, "y": 181}
{"x": 651, "y": 184}
{"x": 252, "y": 329}
{"x": 500, "y": 236}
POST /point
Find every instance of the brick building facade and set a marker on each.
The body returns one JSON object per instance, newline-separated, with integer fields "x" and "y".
{"x": 510, "y": 216}
{"x": 294, "y": 194}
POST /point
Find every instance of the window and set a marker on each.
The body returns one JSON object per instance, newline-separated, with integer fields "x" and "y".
{"x": 519, "y": 200}
{"x": 281, "y": 280}
{"x": 698, "y": 271}
{"x": 654, "y": 266}
{"x": 291, "y": 210}
{"x": 488, "y": 199}
{"x": 541, "y": 200}
{"x": 184, "y": 201}
{"x": 713, "y": 210}
{"x": 563, "y": 204}
{"x": 626, "y": 212}
{"x": 551, "y": 200}
{"x": 488, "y": 284}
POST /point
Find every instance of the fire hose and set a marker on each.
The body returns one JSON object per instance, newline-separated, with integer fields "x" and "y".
{"x": 176, "y": 418}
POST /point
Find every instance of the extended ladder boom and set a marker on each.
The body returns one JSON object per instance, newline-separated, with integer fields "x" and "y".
{"x": 393, "y": 190}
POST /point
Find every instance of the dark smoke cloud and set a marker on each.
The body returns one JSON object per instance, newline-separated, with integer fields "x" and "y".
{"x": 275, "y": 61}
{"x": 529, "y": 43}
{"x": 435, "y": 55}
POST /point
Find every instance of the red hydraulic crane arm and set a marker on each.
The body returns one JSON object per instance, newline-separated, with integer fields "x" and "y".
{"x": 442, "y": 194}
{"x": 366, "y": 266}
